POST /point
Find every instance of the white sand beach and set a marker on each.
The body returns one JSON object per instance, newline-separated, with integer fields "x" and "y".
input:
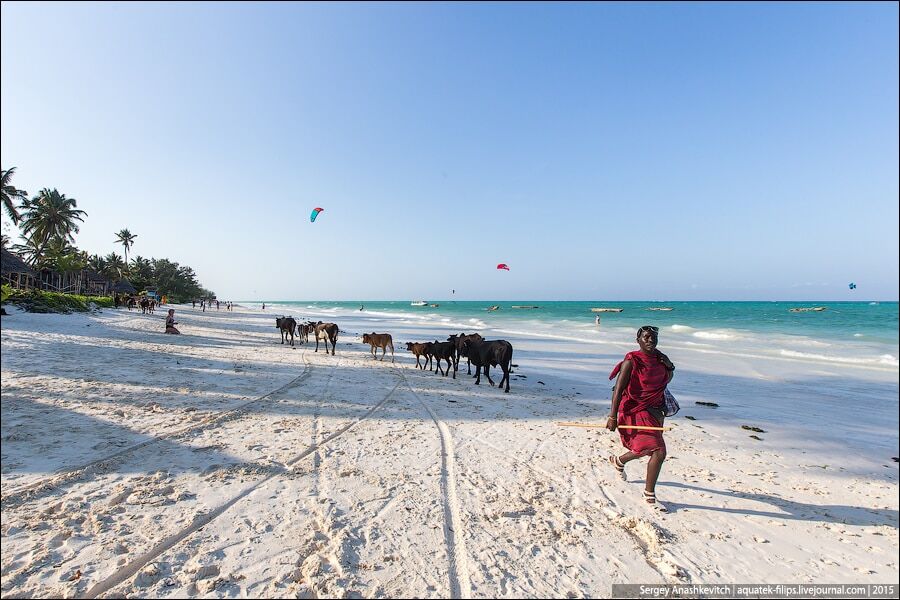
{"x": 221, "y": 463}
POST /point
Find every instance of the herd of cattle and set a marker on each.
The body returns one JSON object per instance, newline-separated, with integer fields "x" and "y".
{"x": 482, "y": 353}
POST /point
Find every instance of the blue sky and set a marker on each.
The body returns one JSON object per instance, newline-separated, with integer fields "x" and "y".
{"x": 604, "y": 151}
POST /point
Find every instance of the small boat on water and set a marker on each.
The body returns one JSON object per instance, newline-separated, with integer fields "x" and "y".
{"x": 607, "y": 309}
{"x": 809, "y": 309}
{"x": 495, "y": 307}
{"x": 418, "y": 303}
{"x": 660, "y": 308}
{"x": 526, "y": 307}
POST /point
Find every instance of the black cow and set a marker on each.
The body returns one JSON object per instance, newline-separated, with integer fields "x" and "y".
{"x": 489, "y": 354}
{"x": 287, "y": 326}
{"x": 460, "y": 350}
{"x": 444, "y": 351}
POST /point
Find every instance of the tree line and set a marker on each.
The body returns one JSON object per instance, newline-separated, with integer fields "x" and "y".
{"x": 48, "y": 223}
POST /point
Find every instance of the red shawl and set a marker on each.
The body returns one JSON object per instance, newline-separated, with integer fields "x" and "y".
{"x": 647, "y": 384}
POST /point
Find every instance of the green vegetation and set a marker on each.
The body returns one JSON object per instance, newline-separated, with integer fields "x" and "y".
{"x": 52, "y": 302}
{"x": 48, "y": 224}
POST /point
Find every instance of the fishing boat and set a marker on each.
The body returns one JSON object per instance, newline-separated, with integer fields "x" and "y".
{"x": 660, "y": 308}
{"x": 808, "y": 309}
{"x": 418, "y": 303}
{"x": 607, "y": 309}
{"x": 526, "y": 306}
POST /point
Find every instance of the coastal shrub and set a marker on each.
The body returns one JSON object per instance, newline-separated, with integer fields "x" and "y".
{"x": 39, "y": 301}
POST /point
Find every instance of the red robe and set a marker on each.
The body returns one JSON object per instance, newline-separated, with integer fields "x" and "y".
{"x": 644, "y": 390}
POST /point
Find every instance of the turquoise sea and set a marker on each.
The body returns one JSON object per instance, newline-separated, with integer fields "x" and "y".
{"x": 849, "y": 322}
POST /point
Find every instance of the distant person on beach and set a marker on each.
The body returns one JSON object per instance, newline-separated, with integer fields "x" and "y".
{"x": 193, "y": 304}
{"x": 171, "y": 322}
{"x": 264, "y": 306}
{"x": 638, "y": 401}
{"x": 597, "y": 320}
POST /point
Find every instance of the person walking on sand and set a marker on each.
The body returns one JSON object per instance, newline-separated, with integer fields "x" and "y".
{"x": 597, "y": 320}
{"x": 171, "y": 322}
{"x": 638, "y": 401}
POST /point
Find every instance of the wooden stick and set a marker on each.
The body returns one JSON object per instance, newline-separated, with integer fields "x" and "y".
{"x": 640, "y": 427}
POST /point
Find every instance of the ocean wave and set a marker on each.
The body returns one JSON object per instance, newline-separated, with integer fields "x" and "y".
{"x": 677, "y": 327}
{"x": 885, "y": 359}
{"x": 712, "y": 335}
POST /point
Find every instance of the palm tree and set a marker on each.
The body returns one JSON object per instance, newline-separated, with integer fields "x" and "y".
{"x": 140, "y": 272}
{"x": 115, "y": 266}
{"x": 96, "y": 263}
{"x": 49, "y": 215}
{"x": 10, "y": 193}
{"x": 126, "y": 238}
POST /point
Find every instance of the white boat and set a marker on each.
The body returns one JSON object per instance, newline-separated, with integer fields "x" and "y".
{"x": 525, "y": 306}
{"x": 810, "y": 309}
{"x": 660, "y": 308}
{"x": 418, "y": 303}
{"x": 607, "y": 309}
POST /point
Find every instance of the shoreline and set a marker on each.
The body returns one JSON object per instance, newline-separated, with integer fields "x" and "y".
{"x": 517, "y": 506}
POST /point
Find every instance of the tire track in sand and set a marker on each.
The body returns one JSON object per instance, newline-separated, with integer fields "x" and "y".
{"x": 38, "y": 489}
{"x": 460, "y": 582}
{"x": 204, "y": 518}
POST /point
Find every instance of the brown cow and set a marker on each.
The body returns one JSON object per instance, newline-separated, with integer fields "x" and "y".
{"x": 420, "y": 350}
{"x": 303, "y": 331}
{"x": 379, "y": 340}
{"x": 326, "y": 332}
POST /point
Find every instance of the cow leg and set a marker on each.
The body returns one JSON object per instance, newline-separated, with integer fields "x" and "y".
{"x": 317, "y": 343}
{"x": 468, "y": 365}
{"x": 505, "y": 377}
{"x": 333, "y": 344}
{"x": 477, "y": 374}
{"x": 487, "y": 373}
{"x": 392, "y": 354}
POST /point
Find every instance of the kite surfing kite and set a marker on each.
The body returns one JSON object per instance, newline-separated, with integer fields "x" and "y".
{"x": 503, "y": 266}
{"x": 315, "y": 213}
{"x": 852, "y": 286}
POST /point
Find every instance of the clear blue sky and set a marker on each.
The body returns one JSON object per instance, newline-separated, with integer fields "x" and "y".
{"x": 634, "y": 151}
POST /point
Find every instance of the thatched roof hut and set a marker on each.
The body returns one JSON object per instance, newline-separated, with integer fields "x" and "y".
{"x": 16, "y": 271}
{"x": 123, "y": 286}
